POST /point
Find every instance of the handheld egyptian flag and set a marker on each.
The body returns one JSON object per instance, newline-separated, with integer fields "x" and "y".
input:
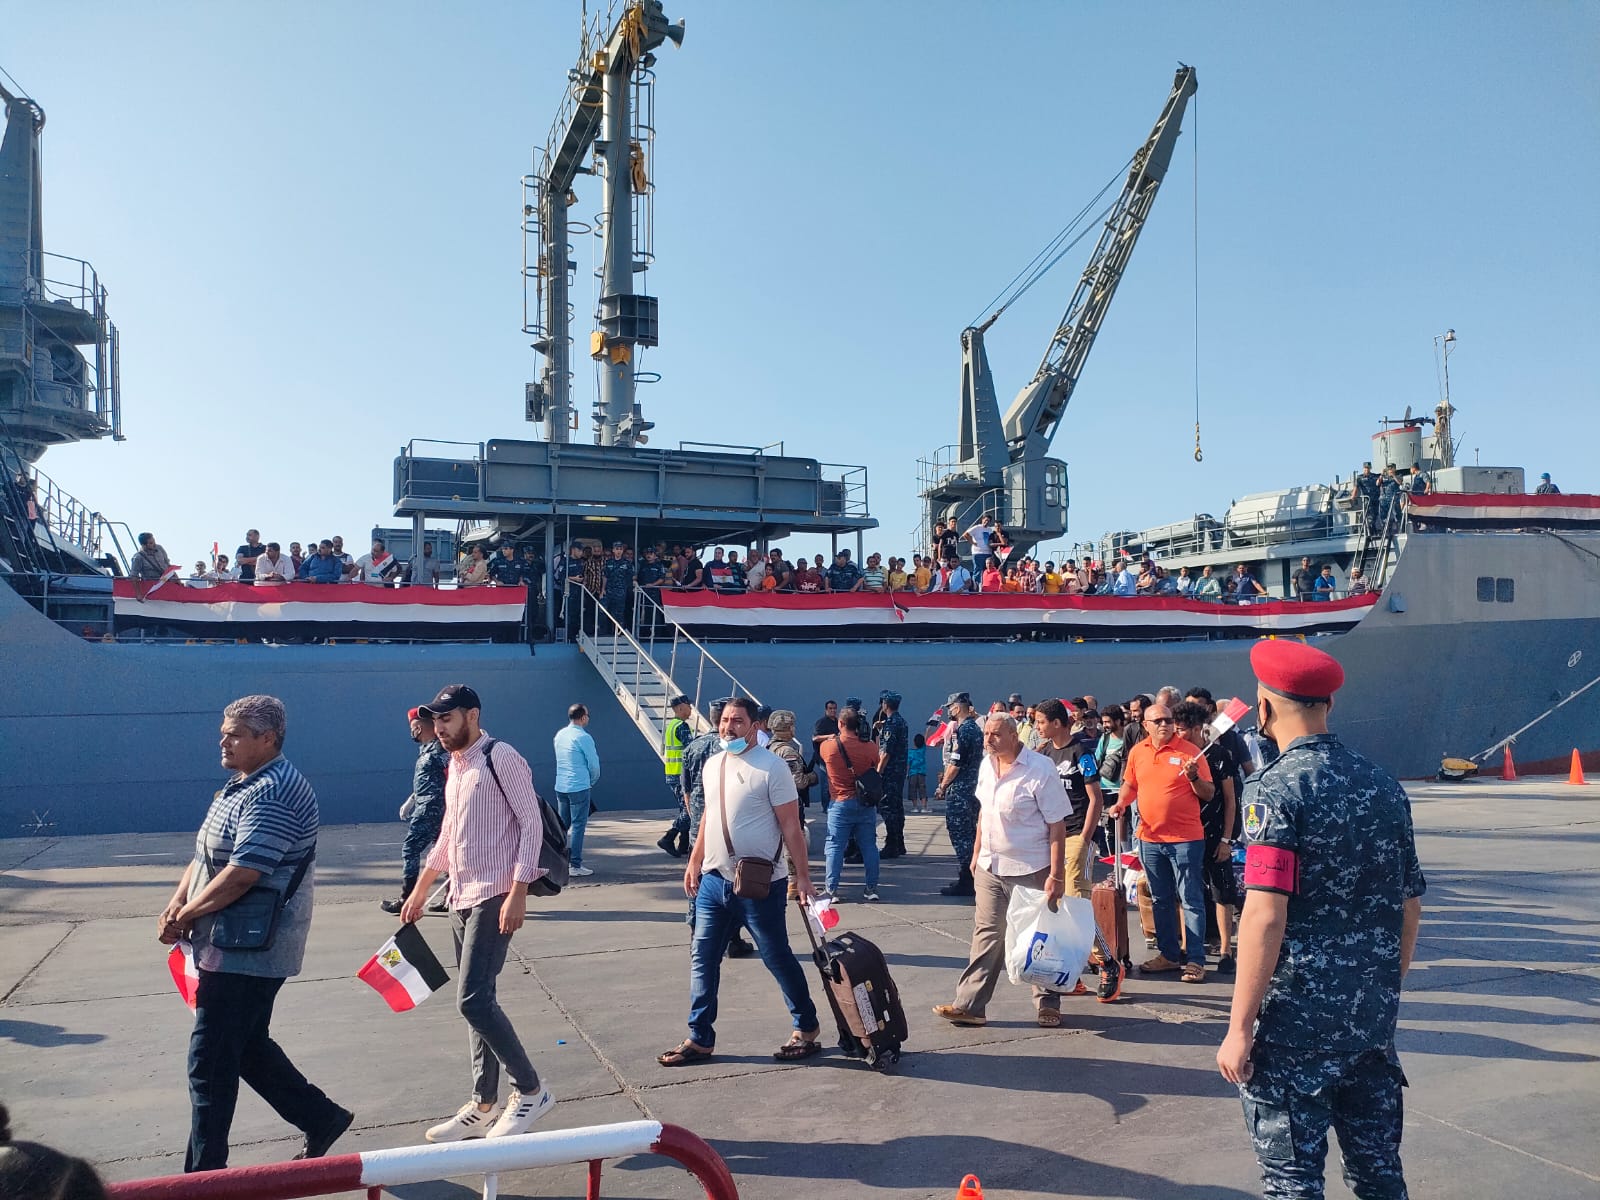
{"x": 184, "y": 973}
{"x": 404, "y": 971}
{"x": 938, "y": 726}
{"x": 1127, "y": 860}
{"x": 1227, "y": 717}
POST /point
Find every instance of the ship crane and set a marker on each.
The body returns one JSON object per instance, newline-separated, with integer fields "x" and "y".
{"x": 999, "y": 466}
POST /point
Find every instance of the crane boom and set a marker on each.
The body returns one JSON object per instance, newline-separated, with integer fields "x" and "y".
{"x": 1030, "y": 423}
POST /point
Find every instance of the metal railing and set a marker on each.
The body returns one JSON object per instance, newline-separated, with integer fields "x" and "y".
{"x": 373, "y": 1171}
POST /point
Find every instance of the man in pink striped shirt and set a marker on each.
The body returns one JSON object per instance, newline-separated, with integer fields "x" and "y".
{"x": 490, "y": 844}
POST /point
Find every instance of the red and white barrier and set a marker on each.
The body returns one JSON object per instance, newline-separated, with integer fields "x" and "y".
{"x": 378, "y": 1169}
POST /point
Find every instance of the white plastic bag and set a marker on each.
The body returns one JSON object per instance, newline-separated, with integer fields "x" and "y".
{"x": 1047, "y": 949}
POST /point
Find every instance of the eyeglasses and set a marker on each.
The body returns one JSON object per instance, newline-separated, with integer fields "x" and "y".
{"x": 1159, "y": 721}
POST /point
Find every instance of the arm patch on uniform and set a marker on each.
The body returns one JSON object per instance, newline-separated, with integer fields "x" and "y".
{"x": 1270, "y": 868}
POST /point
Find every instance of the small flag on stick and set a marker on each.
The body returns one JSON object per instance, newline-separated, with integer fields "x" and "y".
{"x": 938, "y": 727}
{"x": 184, "y": 973}
{"x": 404, "y": 971}
{"x": 1227, "y": 717}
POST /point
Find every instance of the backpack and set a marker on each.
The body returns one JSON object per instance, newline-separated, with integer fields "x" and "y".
{"x": 869, "y": 784}
{"x": 553, "y": 850}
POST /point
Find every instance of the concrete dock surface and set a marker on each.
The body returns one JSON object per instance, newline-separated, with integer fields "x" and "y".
{"x": 1497, "y": 1029}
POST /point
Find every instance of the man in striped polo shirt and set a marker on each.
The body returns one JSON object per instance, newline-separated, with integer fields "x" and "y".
{"x": 490, "y": 844}
{"x": 261, "y": 830}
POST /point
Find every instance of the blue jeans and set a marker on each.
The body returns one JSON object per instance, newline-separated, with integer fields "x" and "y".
{"x": 1175, "y": 871}
{"x": 573, "y": 808}
{"x": 716, "y": 911}
{"x": 847, "y": 818}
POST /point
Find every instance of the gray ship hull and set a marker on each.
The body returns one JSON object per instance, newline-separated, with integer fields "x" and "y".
{"x": 109, "y": 738}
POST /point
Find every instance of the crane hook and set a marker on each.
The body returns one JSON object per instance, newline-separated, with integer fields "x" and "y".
{"x": 1198, "y": 457}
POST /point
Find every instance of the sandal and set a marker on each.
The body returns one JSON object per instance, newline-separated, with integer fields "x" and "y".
{"x": 1049, "y": 1018}
{"x": 1193, "y": 973}
{"x": 684, "y": 1054}
{"x": 797, "y": 1047}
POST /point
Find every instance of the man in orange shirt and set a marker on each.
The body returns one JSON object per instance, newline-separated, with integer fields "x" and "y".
{"x": 1169, "y": 779}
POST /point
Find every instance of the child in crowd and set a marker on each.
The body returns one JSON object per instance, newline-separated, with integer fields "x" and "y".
{"x": 917, "y": 773}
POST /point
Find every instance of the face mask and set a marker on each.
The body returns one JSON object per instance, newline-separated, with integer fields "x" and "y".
{"x": 736, "y": 746}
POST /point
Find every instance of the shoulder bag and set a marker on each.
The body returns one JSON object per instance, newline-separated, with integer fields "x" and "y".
{"x": 869, "y": 784}
{"x": 752, "y": 877}
{"x": 251, "y": 921}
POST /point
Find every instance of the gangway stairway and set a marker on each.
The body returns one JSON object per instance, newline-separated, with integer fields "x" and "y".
{"x": 631, "y": 664}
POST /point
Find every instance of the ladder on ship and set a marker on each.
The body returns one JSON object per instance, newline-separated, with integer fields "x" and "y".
{"x": 642, "y": 664}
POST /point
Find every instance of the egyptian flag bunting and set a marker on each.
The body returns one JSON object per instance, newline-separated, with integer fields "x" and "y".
{"x": 404, "y": 971}
{"x": 184, "y": 973}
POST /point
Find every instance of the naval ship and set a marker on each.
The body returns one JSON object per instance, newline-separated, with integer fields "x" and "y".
{"x": 1479, "y": 629}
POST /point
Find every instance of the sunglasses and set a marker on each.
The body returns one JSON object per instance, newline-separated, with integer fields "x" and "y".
{"x": 1159, "y": 721}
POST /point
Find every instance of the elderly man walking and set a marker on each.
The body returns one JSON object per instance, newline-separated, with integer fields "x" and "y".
{"x": 1169, "y": 779}
{"x": 254, "y": 848}
{"x": 1020, "y": 841}
{"x": 490, "y": 842}
{"x": 577, "y": 771}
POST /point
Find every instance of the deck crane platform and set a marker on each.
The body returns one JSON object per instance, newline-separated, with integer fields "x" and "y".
{"x": 1000, "y": 466}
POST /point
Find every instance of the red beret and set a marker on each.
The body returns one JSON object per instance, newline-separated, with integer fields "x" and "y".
{"x": 412, "y": 714}
{"x": 1295, "y": 670}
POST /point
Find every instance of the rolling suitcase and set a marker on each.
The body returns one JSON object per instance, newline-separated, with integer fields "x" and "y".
{"x": 1111, "y": 905}
{"x": 864, "y": 999}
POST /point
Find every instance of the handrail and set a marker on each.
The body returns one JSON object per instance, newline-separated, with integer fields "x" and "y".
{"x": 680, "y": 631}
{"x": 375, "y": 1170}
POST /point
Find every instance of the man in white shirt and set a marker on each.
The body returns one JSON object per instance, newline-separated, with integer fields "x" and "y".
{"x": 221, "y": 572}
{"x": 752, "y": 811}
{"x": 378, "y": 567}
{"x": 1127, "y": 582}
{"x": 274, "y": 566}
{"x": 1021, "y": 841}
{"x": 981, "y": 536}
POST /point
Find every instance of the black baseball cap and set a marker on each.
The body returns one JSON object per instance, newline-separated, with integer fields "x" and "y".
{"x": 450, "y": 698}
{"x": 680, "y": 698}
{"x": 958, "y": 698}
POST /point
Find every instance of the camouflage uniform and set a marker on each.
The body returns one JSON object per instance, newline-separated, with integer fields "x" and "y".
{"x": 1324, "y": 1040}
{"x": 961, "y": 794}
{"x": 618, "y": 583}
{"x": 894, "y": 740}
{"x": 427, "y": 817}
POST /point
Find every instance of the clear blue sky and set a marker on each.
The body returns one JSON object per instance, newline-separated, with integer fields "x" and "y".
{"x": 307, "y": 215}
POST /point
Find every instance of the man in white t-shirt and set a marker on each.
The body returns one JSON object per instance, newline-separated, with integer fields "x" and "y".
{"x": 981, "y": 536}
{"x": 378, "y": 567}
{"x": 1021, "y": 841}
{"x": 752, "y": 811}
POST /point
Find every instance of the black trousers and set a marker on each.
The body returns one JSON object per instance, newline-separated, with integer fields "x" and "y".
{"x": 231, "y": 1041}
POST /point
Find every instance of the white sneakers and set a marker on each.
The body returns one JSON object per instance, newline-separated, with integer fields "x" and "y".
{"x": 521, "y": 1112}
{"x": 580, "y": 872}
{"x": 470, "y": 1122}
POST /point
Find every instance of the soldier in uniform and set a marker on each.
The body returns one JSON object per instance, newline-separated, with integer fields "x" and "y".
{"x": 1333, "y": 901}
{"x": 695, "y": 756}
{"x": 618, "y": 582}
{"x": 651, "y": 577}
{"x": 894, "y": 745}
{"x": 426, "y": 802}
{"x": 674, "y": 739}
{"x": 504, "y": 569}
{"x": 958, "y": 788}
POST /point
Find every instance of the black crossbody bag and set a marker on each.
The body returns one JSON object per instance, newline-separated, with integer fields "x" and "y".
{"x": 251, "y": 921}
{"x": 869, "y": 784}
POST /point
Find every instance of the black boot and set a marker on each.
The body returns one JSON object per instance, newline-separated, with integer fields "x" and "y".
{"x": 394, "y": 906}
{"x": 961, "y": 887}
{"x": 669, "y": 842}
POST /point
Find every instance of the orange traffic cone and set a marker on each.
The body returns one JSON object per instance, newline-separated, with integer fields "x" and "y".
{"x": 1508, "y": 769}
{"x": 1575, "y": 776}
{"x": 971, "y": 1189}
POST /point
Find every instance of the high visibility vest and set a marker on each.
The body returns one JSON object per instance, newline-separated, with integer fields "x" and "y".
{"x": 676, "y": 728}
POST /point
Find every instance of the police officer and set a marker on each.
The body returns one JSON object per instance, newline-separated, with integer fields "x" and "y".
{"x": 504, "y": 569}
{"x": 651, "y": 577}
{"x": 1364, "y": 491}
{"x": 894, "y": 744}
{"x": 1333, "y": 900}
{"x": 618, "y": 582}
{"x": 695, "y": 756}
{"x": 844, "y": 575}
{"x": 674, "y": 738}
{"x": 566, "y": 573}
{"x": 958, "y": 787}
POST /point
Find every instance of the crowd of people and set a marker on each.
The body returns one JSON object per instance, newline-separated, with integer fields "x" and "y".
{"x": 1029, "y": 793}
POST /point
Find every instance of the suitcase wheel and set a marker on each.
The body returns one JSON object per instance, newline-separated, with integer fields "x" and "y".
{"x": 884, "y": 1059}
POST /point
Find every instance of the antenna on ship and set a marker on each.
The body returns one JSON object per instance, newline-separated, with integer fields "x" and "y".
{"x": 1446, "y": 450}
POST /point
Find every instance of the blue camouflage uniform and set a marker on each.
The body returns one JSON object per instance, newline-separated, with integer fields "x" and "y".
{"x": 965, "y": 750}
{"x": 842, "y": 578}
{"x": 427, "y": 789}
{"x": 618, "y": 583}
{"x": 894, "y": 740}
{"x": 507, "y": 572}
{"x": 1332, "y": 831}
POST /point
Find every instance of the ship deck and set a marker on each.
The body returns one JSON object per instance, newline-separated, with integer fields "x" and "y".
{"x": 1122, "y": 1101}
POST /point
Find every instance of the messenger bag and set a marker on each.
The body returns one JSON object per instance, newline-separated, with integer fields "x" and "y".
{"x": 752, "y": 877}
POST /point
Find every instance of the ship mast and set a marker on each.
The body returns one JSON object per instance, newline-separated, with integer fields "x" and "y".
{"x": 1444, "y": 443}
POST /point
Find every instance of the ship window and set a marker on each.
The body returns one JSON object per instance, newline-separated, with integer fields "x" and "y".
{"x": 1505, "y": 590}
{"x": 1486, "y": 588}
